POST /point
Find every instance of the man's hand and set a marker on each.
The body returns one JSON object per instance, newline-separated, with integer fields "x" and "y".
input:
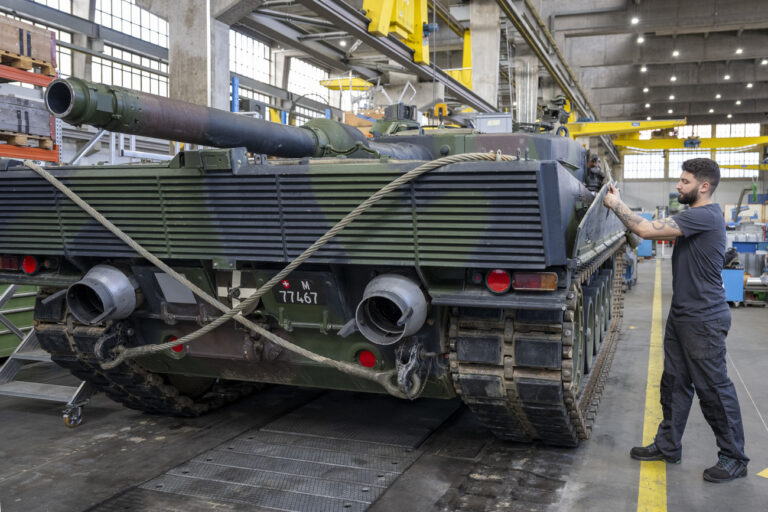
{"x": 612, "y": 197}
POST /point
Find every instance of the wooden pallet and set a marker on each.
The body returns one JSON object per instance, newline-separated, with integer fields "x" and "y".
{"x": 17, "y": 61}
{"x": 25, "y": 140}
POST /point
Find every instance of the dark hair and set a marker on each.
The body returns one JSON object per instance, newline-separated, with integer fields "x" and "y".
{"x": 704, "y": 169}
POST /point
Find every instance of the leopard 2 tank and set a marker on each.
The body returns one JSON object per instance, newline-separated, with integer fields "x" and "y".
{"x": 477, "y": 265}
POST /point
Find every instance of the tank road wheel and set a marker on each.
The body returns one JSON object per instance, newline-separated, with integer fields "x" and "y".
{"x": 607, "y": 275}
{"x": 573, "y": 357}
{"x": 606, "y": 285}
{"x": 595, "y": 292}
{"x": 589, "y": 327}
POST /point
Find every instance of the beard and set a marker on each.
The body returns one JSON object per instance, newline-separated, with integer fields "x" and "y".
{"x": 688, "y": 198}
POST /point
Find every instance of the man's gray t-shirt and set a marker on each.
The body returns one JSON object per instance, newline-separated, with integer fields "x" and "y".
{"x": 697, "y": 263}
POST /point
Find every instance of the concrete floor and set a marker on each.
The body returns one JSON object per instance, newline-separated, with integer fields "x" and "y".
{"x": 45, "y": 466}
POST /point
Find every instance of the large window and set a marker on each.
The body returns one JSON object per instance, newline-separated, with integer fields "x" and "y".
{"x": 738, "y": 130}
{"x": 676, "y": 159}
{"x": 737, "y": 158}
{"x": 302, "y": 115}
{"x": 61, "y": 5}
{"x": 127, "y": 17}
{"x": 304, "y": 79}
{"x": 124, "y": 75}
{"x": 249, "y": 57}
{"x": 644, "y": 166}
{"x": 703, "y": 131}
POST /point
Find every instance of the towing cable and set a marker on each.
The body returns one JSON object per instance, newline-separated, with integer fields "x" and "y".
{"x": 383, "y": 378}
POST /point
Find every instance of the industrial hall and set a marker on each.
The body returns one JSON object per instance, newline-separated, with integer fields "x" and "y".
{"x": 383, "y": 255}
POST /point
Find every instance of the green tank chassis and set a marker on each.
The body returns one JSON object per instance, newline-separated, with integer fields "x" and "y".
{"x": 399, "y": 293}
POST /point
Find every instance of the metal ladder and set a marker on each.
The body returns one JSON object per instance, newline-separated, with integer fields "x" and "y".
{"x": 29, "y": 351}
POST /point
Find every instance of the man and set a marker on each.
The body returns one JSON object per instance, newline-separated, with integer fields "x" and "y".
{"x": 697, "y": 324}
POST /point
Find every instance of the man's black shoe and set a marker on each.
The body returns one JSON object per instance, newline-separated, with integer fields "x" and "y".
{"x": 725, "y": 470}
{"x": 651, "y": 452}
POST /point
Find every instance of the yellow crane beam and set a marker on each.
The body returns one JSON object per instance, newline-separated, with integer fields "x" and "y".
{"x": 594, "y": 128}
{"x": 750, "y": 167}
{"x": 346, "y": 84}
{"x": 713, "y": 143}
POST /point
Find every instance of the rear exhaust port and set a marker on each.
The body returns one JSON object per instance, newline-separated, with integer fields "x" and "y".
{"x": 393, "y": 307}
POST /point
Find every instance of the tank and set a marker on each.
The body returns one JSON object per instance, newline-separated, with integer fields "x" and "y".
{"x": 495, "y": 277}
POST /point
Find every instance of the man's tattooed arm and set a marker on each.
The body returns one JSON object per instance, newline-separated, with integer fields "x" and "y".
{"x": 662, "y": 229}
{"x": 627, "y": 216}
{"x": 660, "y": 225}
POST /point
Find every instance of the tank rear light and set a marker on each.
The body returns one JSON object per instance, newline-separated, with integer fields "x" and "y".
{"x": 9, "y": 263}
{"x": 498, "y": 281}
{"x": 367, "y": 358}
{"x": 534, "y": 281}
{"x": 30, "y": 265}
{"x": 178, "y": 348}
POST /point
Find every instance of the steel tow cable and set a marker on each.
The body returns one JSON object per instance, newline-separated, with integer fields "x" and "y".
{"x": 383, "y": 378}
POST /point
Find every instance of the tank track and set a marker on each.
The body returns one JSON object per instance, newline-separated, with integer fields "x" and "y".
{"x": 70, "y": 346}
{"x": 523, "y": 403}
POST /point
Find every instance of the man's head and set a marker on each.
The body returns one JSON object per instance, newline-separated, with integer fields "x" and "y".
{"x": 700, "y": 178}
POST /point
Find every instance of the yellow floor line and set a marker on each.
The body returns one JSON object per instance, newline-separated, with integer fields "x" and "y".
{"x": 652, "y": 492}
{"x": 763, "y": 473}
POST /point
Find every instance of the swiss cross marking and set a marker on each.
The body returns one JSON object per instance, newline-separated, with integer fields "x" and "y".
{"x": 285, "y": 284}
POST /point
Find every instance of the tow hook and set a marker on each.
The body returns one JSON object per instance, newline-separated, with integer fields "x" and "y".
{"x": 413, "y": 367}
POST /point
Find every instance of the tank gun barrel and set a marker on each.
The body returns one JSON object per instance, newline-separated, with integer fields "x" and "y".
{"x": 116, "y": 109}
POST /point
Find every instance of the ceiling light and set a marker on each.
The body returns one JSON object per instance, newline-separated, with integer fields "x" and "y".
{"x": 671, "y": 96}
{"x": 739, "y": 51}
{"x": 669, "y": 111}
{"x": 673, "y": 78}
{"x": 711, "y": 110}
{"x": 729, "y": 116}
{"x": 343, "y": 43}
{"x": 764, "y": 62}
{"x": 749, "y": 85}
{"x": 645, "y": 89}
{"x": 738, "y": 102}
{"x": 718, "y": 96}
{"x": 640, "y": 39}
{"x": 647, "y": 105}
{"x": 635, "y": 20}
{"x": 727, "y": 77}
{"x": 648, "y": 118}
{"x": 514, "y": 104}
{"x": 675, "y": 53}
{"x": 643, "y": 69}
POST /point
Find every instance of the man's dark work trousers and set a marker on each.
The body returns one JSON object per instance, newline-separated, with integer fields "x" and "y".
{"x": 694, "y": 358}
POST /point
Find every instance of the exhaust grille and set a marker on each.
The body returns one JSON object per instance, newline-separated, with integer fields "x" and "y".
{"x": 479, "y": 215}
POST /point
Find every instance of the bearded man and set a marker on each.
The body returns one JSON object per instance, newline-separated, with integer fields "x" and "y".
{"x": 697, "y": 324}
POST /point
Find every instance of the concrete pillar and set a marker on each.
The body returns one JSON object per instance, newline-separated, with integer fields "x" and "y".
{"x": 485, "y": 26}
{"x": 198, "y": 52}
{"x": 526, "y": 88}
{"x": 81, "y": 63}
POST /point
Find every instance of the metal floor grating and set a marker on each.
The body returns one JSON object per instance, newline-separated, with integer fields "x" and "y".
{"x": 337, "y": 453}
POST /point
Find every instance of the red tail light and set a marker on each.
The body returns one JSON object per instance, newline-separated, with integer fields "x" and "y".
{"x": 534, "y": 281}
{"x": 29, "y": 265}
{"x": 367, "y": 358}
{"x": 498, "y": 281}
{"x": 9, "y": 263}
{"x": 177, "y": 348}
